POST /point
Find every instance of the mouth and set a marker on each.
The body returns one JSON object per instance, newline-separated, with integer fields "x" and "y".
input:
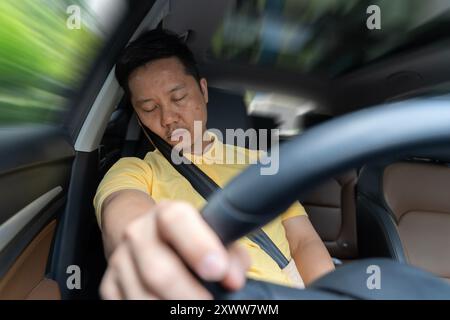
{"x": 176, "y": 135}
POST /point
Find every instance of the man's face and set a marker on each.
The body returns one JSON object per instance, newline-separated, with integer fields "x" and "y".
{"x": 166, "y": 98}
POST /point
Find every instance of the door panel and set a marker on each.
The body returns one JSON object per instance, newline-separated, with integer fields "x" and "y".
{"x": 35, "y": 169}
{"x": 26, "y": 278}
{"x": 34, "y": 161}
{"x": 48, "y": 235}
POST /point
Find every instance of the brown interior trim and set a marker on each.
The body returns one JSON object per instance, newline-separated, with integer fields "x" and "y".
{"x": 47, "y": 289}
{"x": 26, "y": 278}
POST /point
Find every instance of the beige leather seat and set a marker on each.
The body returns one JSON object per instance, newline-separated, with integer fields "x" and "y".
{"x": 331, "y": 207}
{"x": 409, "y": 202}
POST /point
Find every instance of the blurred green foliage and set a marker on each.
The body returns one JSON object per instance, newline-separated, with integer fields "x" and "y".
{"x": 42, "y": 61}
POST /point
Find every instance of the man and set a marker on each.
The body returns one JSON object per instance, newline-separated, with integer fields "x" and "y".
{"x": 149, "y": 213}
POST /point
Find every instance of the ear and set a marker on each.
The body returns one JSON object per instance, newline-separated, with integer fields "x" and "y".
{"x": 204, "y": 88}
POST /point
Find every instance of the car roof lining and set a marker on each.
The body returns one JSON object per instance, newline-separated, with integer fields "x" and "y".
{"x": 202, "y": 21}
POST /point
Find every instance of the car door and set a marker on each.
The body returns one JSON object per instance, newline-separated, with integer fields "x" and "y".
{"x": 55, "y": 58}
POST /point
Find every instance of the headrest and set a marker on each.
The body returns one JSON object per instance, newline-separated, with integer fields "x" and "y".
{"x": 226, "y": 110}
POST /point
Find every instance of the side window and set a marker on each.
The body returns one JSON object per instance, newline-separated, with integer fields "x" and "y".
{"x": 46, "y": 50}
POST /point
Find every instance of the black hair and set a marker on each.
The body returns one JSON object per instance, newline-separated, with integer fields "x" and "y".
{"x": 150, "y": 46}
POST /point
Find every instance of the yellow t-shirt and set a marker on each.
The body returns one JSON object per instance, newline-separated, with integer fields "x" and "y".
{"x": 155, "y": 176}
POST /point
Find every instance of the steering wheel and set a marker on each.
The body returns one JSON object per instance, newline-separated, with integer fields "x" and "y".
{"x": 251, "y": 200}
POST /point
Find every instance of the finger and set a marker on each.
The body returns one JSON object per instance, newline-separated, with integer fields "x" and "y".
{"x": 167, "y": 276}
{"x": 160, "y": 269}
{"x": 239, "y": 264}
{"x": 127, "y": 278}
{"x": 109, "y": 289}
{"x": 182, "y": 227}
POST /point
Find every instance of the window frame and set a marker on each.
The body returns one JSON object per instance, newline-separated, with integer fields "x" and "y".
{"x": 79, "y": 107}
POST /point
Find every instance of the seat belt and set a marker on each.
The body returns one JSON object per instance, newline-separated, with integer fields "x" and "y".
{"x": 205, "y": 186}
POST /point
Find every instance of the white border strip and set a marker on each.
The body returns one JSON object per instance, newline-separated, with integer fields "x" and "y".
{"x": 95, "y": 124}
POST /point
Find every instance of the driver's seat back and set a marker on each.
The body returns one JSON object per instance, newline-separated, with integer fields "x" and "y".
{"x": 331, "y": 208}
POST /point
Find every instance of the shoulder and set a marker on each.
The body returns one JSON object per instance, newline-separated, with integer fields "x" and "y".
{"x": 132, "y": 165}
{"x": 153, "y": 156}
{"x": 130, "y": 162}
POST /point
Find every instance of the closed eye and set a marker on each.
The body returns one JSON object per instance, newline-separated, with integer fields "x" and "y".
{"x": 179, "y": 99}
{"x": 149, "y": 110}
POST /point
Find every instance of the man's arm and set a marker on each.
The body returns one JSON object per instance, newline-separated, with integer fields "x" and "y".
{"x": 118, "y": 210}
{"x": 147, "y": 250}
{"x": 307, "y": 249}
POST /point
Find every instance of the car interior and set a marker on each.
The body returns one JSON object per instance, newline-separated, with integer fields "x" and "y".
{"x": 397, "y": 208}
{"x": 405, "y": 199}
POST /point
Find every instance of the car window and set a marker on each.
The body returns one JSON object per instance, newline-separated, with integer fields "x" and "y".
{"x": 325, "y": 37}
{"x": 284, "y": 109}
{"x": 47, "y": 48}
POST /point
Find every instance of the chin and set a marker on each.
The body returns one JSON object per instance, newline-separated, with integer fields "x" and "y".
{"x": 179, "y": 145}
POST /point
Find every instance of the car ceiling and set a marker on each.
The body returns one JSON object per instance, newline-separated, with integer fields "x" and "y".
{"x": 400, "y": 75}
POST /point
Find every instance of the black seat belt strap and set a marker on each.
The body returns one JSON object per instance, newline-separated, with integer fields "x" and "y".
{"x": 266, "y": 244}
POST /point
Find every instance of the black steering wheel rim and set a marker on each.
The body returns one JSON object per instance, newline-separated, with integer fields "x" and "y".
{"x": 324, "y": 151}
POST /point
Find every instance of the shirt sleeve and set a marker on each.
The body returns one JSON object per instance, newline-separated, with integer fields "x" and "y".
{"x": 127, "y": 173}
{"x": 294, "y": 211}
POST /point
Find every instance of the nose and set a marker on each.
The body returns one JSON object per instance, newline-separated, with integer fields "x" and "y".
{"x": 168, "y": 116}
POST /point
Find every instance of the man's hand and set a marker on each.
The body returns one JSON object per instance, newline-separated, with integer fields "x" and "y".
{"x": 149, "y": 261}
